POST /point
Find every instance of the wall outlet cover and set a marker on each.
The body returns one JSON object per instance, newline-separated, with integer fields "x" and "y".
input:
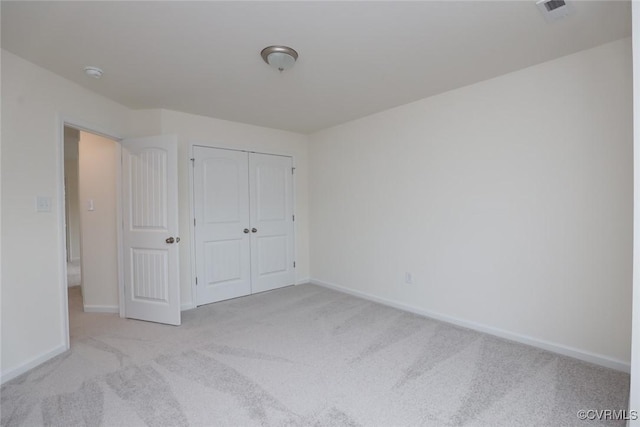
{"x": 43, "y": 204}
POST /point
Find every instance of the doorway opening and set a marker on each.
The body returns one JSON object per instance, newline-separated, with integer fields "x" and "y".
{"x": 72, "y": 209}
{"x": 90, "y": 179}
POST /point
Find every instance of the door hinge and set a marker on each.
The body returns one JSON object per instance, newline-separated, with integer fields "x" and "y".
{"x": 293, "y": 217}
{"x": 193, "y": 161}
{"x": 294, "y": 264}
{"x": 292, "y": 170}
{"x": 194, "y": 222}
{"x": 196, "y": 280}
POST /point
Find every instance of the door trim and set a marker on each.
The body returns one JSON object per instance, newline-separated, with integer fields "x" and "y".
{"x": 61, "y": 211}
{"x": 192, "y": 231}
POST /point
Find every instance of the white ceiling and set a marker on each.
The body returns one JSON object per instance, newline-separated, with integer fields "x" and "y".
{"x": 356, "y": 58}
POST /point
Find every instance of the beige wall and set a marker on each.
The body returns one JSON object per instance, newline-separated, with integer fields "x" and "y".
{"x": 73, "y": 209}
{"x": 509, "y": 202}
{"x": 71, "y": 139}
{"x": 97, "y": 173}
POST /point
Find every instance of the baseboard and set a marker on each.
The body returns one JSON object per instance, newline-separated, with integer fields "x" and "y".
{"x": 303, "y": 281}
{"x": 102, "y": 309}
{"x": 586, "y": 356}
{"x": 16, "y": 372}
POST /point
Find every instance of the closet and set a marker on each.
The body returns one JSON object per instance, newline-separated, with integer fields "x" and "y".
{"x": 243, "y": 222}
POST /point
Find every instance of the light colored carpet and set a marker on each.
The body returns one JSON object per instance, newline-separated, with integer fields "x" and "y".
{"x": 302, "y": 356}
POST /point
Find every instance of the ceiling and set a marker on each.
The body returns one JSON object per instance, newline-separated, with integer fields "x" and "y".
{"x": 356, "y": 58}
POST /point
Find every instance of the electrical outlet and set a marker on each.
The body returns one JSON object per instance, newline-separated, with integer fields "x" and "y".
{"x": 43, "y": 204}
{"x": 408, "y": 278}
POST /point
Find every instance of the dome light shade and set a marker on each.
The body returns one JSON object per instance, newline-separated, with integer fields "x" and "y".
{"x": 94, "y": 72}
{"x": 279, "y": 57}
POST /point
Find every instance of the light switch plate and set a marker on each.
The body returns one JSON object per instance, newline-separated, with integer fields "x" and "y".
{"x": 43, "y": 204}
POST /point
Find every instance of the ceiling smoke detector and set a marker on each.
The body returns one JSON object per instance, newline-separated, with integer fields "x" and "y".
{"x": 94, "y": 72}
{"x": 554, "y": 9}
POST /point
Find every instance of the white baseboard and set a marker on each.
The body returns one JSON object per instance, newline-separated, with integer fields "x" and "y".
{"x": 583, "y": 355}
{"x": 17, "y": 371}
{"x": 187, "y": 306}
{"x": 102, "y": 309}
{"x": 303, "y": 281}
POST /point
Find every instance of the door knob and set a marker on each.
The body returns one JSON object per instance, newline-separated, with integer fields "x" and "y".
{"x": 246, "y": 230}
{"x": 177, "y": 239}
{"x": 254, "y": 230}
{"x": 170, "y": 240}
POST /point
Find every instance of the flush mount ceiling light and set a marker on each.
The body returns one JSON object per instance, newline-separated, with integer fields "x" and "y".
{"x": 280, "y": 57}
{"x": 94, "y": 72}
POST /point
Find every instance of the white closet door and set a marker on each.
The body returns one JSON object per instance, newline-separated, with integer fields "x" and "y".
{"x": 222, "y": 231}
{"x": 271, "y": 194}
{"x": 150, "y": 229}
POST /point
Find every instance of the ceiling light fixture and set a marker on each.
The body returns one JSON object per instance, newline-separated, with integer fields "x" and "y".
{"x": 280, "y": 57}
{"x": 94, "y": 72}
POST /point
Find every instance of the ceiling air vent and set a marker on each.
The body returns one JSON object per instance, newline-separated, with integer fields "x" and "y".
{"x": 553, "y": 9}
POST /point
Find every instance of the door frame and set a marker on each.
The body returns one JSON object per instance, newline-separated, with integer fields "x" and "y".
{"x": 62, "y": 212}
{"x": 192, "y": 213}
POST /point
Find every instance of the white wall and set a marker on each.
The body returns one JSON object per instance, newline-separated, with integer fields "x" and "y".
{"x": 634, "y": 397}
{"x": 509, "y": 201}
{"x": 34, "y": 101}
{"x": 71, "y": 196}
{"x": 207, "y": 131}
{"x": 73, "y": 209}
{"x": 97, "y": 173}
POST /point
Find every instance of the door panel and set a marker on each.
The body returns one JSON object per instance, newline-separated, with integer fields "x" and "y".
{"x": 150, "y": 216}
{"x": 221, "y": 201}
{"x": 149, "y": 272}
{"x": 271, "y": 194}
{"x": 271, "y": 249}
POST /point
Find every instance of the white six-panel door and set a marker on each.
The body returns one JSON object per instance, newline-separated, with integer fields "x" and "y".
{"x": 150, "y": 229}
{"x": 243, "y": 223}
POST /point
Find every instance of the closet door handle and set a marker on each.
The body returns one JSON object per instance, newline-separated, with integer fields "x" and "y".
{"x": 246, "y": 230}
{"x": 254, "y": 230}
{"x": 170, "y": 240}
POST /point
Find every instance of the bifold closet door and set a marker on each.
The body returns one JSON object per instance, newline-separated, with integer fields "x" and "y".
{"x": 222, "y": 234}
{"x": 243, "y": 205}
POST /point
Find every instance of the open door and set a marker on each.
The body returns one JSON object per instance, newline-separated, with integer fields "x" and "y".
{"x": 150, "y": 229}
